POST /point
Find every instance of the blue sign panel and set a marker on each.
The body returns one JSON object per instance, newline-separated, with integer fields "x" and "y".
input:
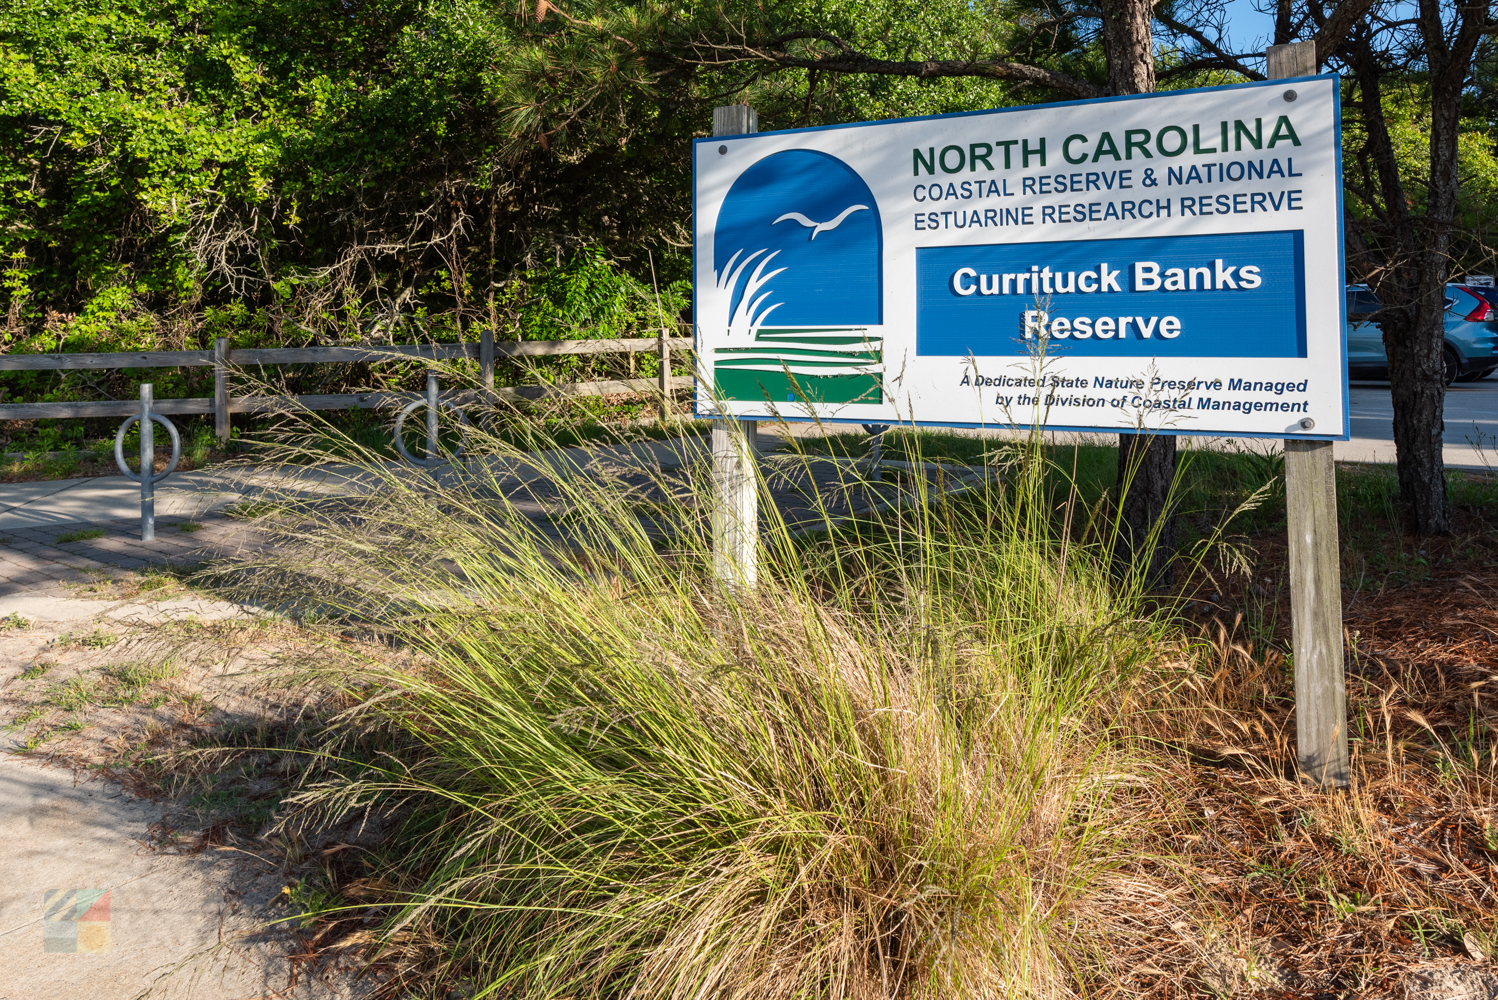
{"x": 1222, "y": 296}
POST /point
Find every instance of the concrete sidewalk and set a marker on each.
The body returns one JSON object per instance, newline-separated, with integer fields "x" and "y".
{"x": 1468, "y": 441}
{"x": 66, "y": 531}
{"x": 105, "y": 498}
{"x": 68, "y": 553}
{"x": 185, "y": 497}
{"x": 192, "y": 495}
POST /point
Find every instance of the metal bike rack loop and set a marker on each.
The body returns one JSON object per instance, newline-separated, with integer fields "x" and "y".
{"x": 433, "y": 403}
{"x": 148, "y": 477}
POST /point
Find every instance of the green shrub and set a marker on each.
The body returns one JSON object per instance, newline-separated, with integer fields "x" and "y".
{"x": 889, "y": 770}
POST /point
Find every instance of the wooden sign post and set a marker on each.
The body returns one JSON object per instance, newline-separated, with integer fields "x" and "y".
{"x": 1315, "y": 565}
{"x": 735, "y": 443}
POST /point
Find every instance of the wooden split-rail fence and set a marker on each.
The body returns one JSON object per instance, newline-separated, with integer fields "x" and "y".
{"x": 225, "y": 361}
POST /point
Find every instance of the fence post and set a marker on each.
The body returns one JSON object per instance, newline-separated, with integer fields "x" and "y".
{"x": 662, "y": 348}
{"x": 735, "y": 444}
{"x": 486, "y": 360}
{"x": 221, "y": 388}
{"x": 664, "y": 378}
{"x": 1315, "y": 564}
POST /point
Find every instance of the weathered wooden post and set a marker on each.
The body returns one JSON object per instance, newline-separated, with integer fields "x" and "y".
{"x": 735, "y": 443}
{"x": 221, "y": 388}
{"x": 663, "y": 349}
{"x": 1315, "y": 564}
{"x": 486, "y": 360}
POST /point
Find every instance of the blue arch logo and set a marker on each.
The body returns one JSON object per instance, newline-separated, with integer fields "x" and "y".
{"x": 797, "y": 282}
{"x": 799, "y": 243}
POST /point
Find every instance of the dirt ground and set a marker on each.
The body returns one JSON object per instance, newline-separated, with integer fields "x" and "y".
{"x": 105, "y": 692}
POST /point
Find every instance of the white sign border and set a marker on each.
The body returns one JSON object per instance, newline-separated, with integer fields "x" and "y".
{"x": 705, "y": 412}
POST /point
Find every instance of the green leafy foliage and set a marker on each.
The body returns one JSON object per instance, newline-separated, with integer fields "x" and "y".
{"x": 591, "y": 297}
{"x": 176, "y": 170}
{"x": 1407, "y": 110}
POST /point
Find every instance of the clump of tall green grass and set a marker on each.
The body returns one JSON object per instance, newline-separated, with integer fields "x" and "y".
{"x": 884, "y": 772}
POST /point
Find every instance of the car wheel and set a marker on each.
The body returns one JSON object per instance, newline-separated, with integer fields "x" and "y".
{"x": 1450, "y": 365}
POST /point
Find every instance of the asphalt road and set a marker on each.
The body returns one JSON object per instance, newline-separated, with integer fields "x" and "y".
{"x": 1471, "y": 437}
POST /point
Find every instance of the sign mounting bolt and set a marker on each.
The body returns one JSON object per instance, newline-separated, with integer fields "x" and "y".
{"x": 1290, "y": 96}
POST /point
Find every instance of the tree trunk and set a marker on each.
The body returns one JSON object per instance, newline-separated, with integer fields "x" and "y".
{"x": 1412, "y": 284}
{"x": 1419, "y": 386}
{"x": 1146, "y": 470}
{"x": 1146, "y": 462}
{"x": 1414, "y": 341}
{"x": 1129, "y": 46}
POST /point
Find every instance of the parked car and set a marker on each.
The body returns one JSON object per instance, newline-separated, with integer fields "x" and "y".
{"x": 1471, "y": 334}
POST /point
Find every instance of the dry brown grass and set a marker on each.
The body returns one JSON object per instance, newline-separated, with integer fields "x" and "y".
{"x": 1266, "y": 886}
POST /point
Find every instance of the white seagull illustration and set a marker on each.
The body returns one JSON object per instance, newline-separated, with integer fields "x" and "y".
{"x": 821, "y": 227}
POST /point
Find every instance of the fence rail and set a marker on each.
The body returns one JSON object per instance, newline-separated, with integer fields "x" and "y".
{"x": 224, "y": 360}
{"x": 331, "y": 355}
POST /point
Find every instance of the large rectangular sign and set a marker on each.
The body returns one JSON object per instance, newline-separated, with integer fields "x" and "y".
{"x": 1172, "y": 260}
